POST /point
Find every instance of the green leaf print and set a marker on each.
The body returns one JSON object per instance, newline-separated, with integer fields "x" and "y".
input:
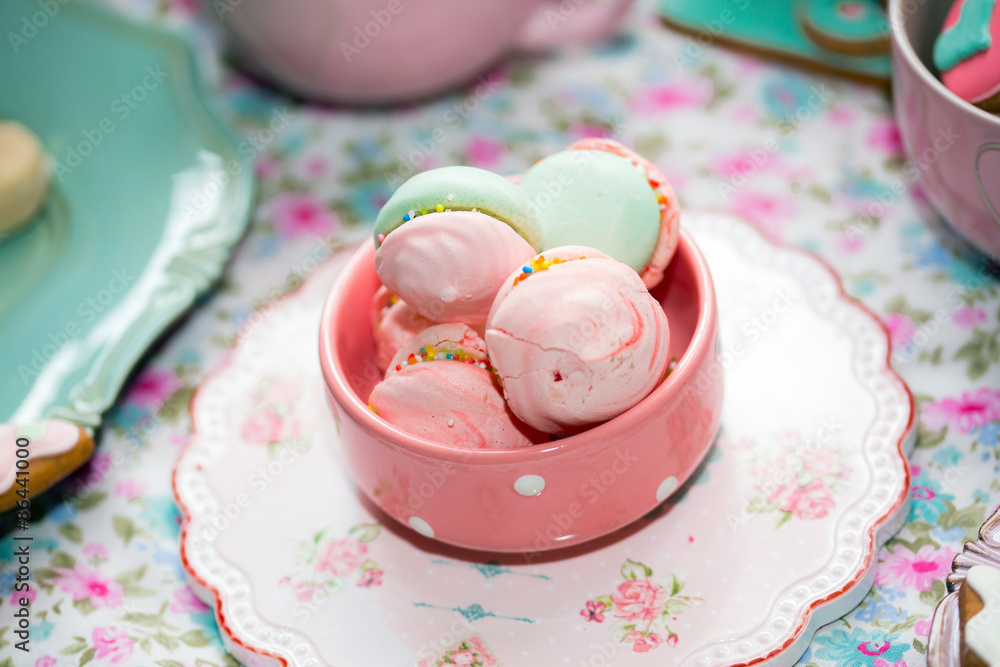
{"x": 131, "y": 576}
{"x": 632, "y": 570}
{"x": 88, "y": 501}
{"x": 124, "y": 528}
{"x": 71, "y": 532}
{"x": 78, "y": 645}
{"x": 930, "y": 439}
{"x": 934, "y": 595}
{"x": 365, "y": 532}
{"x": 87, "y": 656}
{"x": 980, "y": 353}
{"x": 901, "y": 306}
{"x": 62, "y": 559}
{"x": 195, "y": 638}
{"x": 673, "y": 583}
{"x": 970, "y": 518}
{"x": 83, "y": 606}
{"x": 176, "y": 405}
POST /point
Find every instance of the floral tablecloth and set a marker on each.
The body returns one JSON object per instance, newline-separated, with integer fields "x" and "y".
{"x": 810, "y": 160}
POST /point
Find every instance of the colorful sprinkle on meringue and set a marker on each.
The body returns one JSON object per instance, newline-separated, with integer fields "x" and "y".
{"x": 539, "y": 264}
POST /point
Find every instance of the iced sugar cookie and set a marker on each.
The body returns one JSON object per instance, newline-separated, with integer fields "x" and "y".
{"x": 851, "y": 27}
{"x": 24, "y": 176}
{"x": 52, "y": 448}
{"x": 967, "y": 52}
{"x": 979, "y": 617}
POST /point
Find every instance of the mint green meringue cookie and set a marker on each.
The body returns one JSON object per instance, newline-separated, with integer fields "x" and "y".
{"x": 460, "y": 189}
{"x": 595, "y": 199}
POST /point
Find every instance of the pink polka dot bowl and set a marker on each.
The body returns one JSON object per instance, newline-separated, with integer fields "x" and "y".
{"x": 543, "y": 497}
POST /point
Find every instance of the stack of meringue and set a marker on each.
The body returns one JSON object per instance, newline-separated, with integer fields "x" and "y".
{"x": 510, "y": 313}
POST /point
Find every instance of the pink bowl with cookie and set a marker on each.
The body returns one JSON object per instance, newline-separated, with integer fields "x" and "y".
{"x": 952, "y": 145}
{"x": 546, "y": 496}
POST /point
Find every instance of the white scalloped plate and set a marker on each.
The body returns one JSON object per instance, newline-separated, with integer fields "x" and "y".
{"x": 775, "y": 537}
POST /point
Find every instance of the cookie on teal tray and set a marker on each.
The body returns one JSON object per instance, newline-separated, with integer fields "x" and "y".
{"x": 773, "y": 28}
{"x": 853, "y": 27}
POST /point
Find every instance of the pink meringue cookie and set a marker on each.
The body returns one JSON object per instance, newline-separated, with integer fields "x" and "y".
{"x": 394, "y": 323}
{"x": 449, "y": 266}
{"x": 455, "y": 402}
{"x": 576, "y": 341}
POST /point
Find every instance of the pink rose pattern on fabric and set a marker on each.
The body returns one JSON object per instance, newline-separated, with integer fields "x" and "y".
{"x": 642, "y": 608}
{"x": 111, "y": 644}
{"x": 902, "y": 568}
{"x": 966, "y": 413}
{"x": 297, "y": 214}
{"x": 153, "y": 387}
{"x": 85, "y": 583}
{"x": 796, "y": 479}
{"x": 185, "y": 602}
{"x": 327, "y": 563}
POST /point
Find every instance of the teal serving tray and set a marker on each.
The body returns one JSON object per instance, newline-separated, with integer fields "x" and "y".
{"x": 768, "y": 27}
{"x": 149, "y": 195}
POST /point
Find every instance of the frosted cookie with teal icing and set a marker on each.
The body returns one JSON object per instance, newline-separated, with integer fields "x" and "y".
{"x": 967, "y": 52}
{"x": 459, "y": 189}
{"x": 851, "y": 27}
{"x": 979, "y": 616}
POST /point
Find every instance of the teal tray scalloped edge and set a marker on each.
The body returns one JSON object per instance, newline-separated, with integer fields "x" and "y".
{"x": 195, "y": 265}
